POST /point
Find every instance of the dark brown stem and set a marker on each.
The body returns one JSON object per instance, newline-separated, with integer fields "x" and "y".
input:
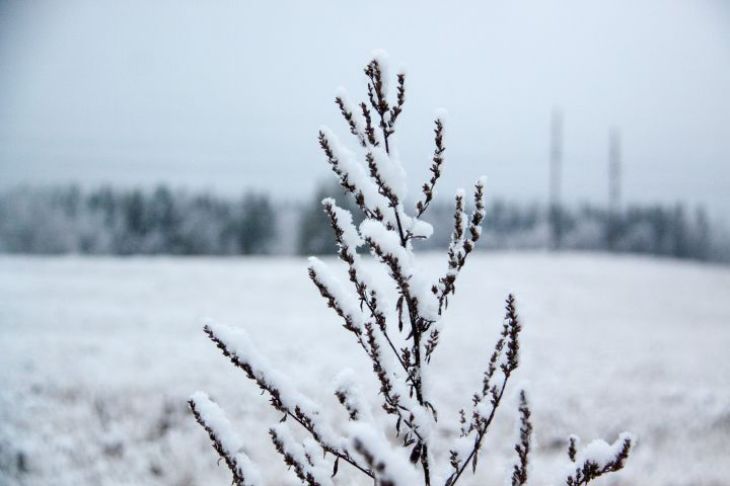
{"x": 277, "y": 403}
{"x": 344, "y": 456}
{"x": 480, "y": 435}
{"x": 231, "y": 462}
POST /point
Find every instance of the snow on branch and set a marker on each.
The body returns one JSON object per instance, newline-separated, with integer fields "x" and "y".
{"x": 305, "y": 465}
{"x": 225, "y": 441}
{"x": 352, "y": 175}
{"x": 437, "y": 162}
{"x": 377, "y": 94}
{"x": 396, "y": 399}
{"x": 596, "y": 459}
{"x": 396, "y": 110}
{"x": 463, "y": 239}
{"x": 348, "y": 240}
{"x": 338, "y": 298}
{"x": 398, "y": 328}
{"x": 349, "y": 394}
{"x": 388, "y": 174}
{"x": 350, "y": 116}
{"x": 390, "y": 467}
{"x": 386, "y": 245}
{"x": 370, "y": 132}
{"x": 522, "y": 447}
{"x": 235, "y": 345}
{"x": 502, "y": 364}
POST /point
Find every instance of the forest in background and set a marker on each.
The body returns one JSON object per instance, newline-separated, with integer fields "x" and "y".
{"x": 111, "y": 221}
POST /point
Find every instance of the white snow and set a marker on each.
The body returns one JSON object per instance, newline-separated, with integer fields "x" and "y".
{"x": 350, "y": 235}
{"x": 357, "y": 117}
{"x": 421, "y": 229}
{"x": 600, "y": 451}
{"x": 347, "y": 383}
{"x": 391, "y": 172}
{"x": 99, "y": 356}
{"x": 394, "y": 461}
{"x": 356, "y": 173}
{"x": 388, "y": 241}
{"x": 297, "y": 451}
{"x": 341, "y": 291}
{"x": 383, "y": 59}
{"x": 214, "y": 418}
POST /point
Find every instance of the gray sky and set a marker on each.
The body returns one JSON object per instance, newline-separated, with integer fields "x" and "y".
{"x": 229, "y": 95}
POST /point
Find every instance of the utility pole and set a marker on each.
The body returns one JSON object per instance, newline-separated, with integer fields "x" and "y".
{"x": 556, "y": 161}
{"x": 614, "y": 187}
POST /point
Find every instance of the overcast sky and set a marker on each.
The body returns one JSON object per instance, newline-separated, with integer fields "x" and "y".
{"x": 229, "y": 95}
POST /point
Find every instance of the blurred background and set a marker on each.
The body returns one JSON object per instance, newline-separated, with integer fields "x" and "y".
{"x": 124, "y": 126}
{"x": 181, "y": 128}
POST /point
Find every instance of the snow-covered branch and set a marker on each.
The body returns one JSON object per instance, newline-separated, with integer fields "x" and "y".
{"x": 596, "y": 459}
{"x": 338, "y": 298}
{"x": 524, "y": 438}
{"x": 437, "y": 162}
{"x": 350, "y": 395}
{"x": 398, "y": 330}
{"x": 235, "y": 345}
{"x": 390, "y": 466}
{"x": 352, "y": 176}
{"x": 502, "y": 363}
{"x": 350, "y": 116}
{"x": 225, "y": 441}
{"x": 463, "y": 240}
{"x": 308, "y": 468}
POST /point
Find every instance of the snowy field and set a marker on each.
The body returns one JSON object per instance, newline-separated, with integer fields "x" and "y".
{"x": 99, "y": 355}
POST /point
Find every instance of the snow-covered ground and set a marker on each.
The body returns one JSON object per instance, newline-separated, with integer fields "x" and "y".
{"x": 97, "y": 358}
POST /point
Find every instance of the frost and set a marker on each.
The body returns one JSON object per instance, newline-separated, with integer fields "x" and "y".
{"x": 307, "y": 465}
{"x": 356, "y": 173}
{"x": 390, "y": 169}
{"x": 387, "y": 240}
{"x": 349, "y": 390}
{"x": 214, "y": 418}
{"x": 600, "y": 452}
{"x": 392, "y": 464}
{"x": 345, "y": 299}
{"x": 383, "y": 59}
{"x": 421, "y": 229}
{"x": 351, "y": 237}
{"x": 398, "y": 340}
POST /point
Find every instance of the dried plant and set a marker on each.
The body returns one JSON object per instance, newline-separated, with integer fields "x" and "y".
{"x": 398, "y": 338}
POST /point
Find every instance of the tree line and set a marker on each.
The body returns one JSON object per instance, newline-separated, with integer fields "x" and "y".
{"x": 113, "y": 221}
{"x": 125, "y": 222}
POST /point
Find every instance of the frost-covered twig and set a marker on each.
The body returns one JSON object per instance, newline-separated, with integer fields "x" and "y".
{"x": 350, "y": 395}
{"x": 462, "y": 242}
{"x": 398, "y": 331}
{"x": 235, "y": 345}
{"x": 348, "y": 239}
{"x": 377, "y": 96}
{"x": 306, "y": 466}
{"x": 348, "y": 114}
{"x": 390, "y": 467}
{"x": 225, "y": 441}
{"x": 597, "y": 459}
{"x": 351, "y": 176}
{"x": 502, "y": 363}
{"x": 436, "y": 163}
{"x": 522, "y": 448}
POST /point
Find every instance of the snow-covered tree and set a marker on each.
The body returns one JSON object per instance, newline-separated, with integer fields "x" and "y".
{"x": 398, "y": 331}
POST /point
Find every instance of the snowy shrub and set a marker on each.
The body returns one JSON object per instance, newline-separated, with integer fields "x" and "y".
{"x": 398, "y": 333}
